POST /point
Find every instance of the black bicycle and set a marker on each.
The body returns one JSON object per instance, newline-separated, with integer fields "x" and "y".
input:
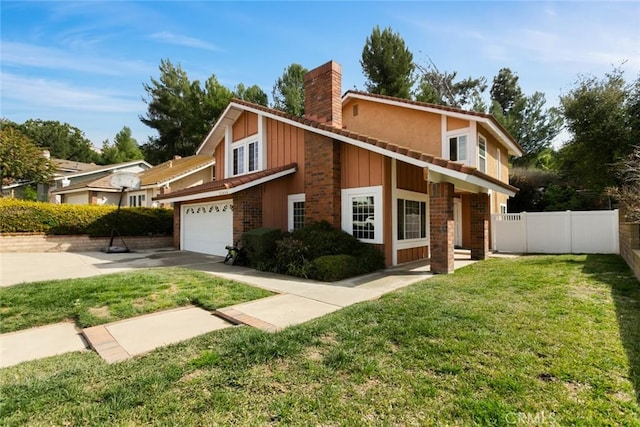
{"x": 235, "y": 255}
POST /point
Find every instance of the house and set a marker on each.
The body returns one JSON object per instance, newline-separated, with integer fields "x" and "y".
{"x": 177, "y": 173}
{"x": 408, "y": 177}
{"x": 88, "y": 183}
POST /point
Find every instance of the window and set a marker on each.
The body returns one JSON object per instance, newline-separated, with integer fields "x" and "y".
{"x": 482, "y": 153}
{"x": 243, "y": 162}
{"x": 296, "y": 211}
{"x": 458, "y": 148}
{"x": 137, "y": 200}
{"x": 362, "y": 213}
{"x": 503, "y": 208}
{"x": 412, "y": 219}
{"x": 499, "y": 164}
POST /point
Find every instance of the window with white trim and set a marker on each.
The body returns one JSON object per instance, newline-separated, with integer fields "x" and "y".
{"x": 499, "y": 164}
{"x": 503, "y": 208}
{"x": 296, "y": 211}
{"x": 246, "y": 156}
{"x": 137, "y": 200}
{"x": 362, "y": 213}
{"x": 458, "y": 150}
{"x": 412, "y": 219}
{"x": 482, "y": 153}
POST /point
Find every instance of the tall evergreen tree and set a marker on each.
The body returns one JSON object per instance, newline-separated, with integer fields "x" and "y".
{"x": 181, "y": 111}
{"x": 388, "y": 64}
{"x": 288, "y": 91}
{"x": 251, "y": 94}
{"x": 124, "y": 148}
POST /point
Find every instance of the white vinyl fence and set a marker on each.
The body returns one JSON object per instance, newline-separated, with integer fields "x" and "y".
{"x": 556, "y": 232}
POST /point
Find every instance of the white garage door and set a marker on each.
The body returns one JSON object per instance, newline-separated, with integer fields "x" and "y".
{"x": 207, "y": 227}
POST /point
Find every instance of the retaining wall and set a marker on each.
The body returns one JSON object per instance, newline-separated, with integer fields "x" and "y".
{"x": 36, "y": 242}
{"x": 630, "y": 245}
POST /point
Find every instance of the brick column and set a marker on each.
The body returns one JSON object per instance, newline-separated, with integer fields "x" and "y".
{"x": 247, "y": 211}
{"x": 177, "y": 208}
{"x": 441, "y": 227}
{"x": 479, "y": 226}
{"x": 322, "y": 179}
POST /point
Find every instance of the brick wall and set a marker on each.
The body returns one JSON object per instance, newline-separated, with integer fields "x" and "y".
{"x": 630, "y": 245}
{"x": 247, "y": 211}
{"x": 323, "y": 94}
{"x": 322, "y": 179}
{"x": 441, "y": 227}
{"x": 20, "y": 242}
{"x": 177, "y": 212}
{"x": 479, "y": 226}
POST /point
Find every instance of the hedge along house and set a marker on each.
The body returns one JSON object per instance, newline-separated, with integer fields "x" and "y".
{"x": 394, "y": 173}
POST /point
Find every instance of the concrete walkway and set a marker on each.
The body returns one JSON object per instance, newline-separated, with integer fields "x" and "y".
{"x": 298, "y": 301}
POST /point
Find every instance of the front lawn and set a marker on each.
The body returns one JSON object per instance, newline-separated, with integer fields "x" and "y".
{"x": 103, "y": 299}
{"x": 540, "y": 340}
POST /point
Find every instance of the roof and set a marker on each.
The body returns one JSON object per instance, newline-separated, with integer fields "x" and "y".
{"x": 103, "y": 168}
{"x": 174, "y": 169}
{"x": 407, "y": 103}
{"x": 437, "y": 165}
{"x": 100, "y": 184}
{"x": 229, "y": 185}
{"x": 71, "y": 166}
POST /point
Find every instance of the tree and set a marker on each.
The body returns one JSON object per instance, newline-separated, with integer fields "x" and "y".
{"x": 440, "y": 88}
{"x": 251, "y": 94}
{"x": 61, "y": 139}
{"x": 388, "y": 64}
{"x": 525, "y": 117}
{"x": 628, "y": 192}
{"x": 181, "y": 111}
{"x": 124, "y": 148}
{"x": 597, "y": 112}
{"x": 20, "y": 159}
{"x": 288, "y": 91}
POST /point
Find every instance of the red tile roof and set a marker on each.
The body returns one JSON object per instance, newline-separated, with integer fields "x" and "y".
{"x": 438, "y": 161}
{"x": 226, "y": 184}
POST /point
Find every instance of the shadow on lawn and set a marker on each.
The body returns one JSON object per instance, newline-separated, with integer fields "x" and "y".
{"x": 625, "y": 290}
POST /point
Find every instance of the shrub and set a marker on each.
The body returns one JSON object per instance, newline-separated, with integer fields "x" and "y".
{"x": 17, "y": 216}
{"x": 260, "y": 247}
{"x": 291, "y": 256}
{"x": 324, "y": 239}
{"x": 334, "y": 267}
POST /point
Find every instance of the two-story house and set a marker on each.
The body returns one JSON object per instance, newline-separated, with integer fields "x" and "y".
{"x": 409, "y": 177}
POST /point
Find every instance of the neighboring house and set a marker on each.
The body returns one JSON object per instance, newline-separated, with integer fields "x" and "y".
{"x": 177, "y": 173}
{"x": 408, "y": 177}
{"x": 90, "y": 185}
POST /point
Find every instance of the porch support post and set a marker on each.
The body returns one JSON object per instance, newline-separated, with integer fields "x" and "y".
{"x": 177, "y": 219}
{"x": 441, "y": 227}
{"x": 479, "y": 226}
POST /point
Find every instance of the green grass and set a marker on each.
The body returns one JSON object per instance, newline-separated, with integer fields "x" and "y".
{"x": 544, "y": 340}
{"x": 103, "y": 299}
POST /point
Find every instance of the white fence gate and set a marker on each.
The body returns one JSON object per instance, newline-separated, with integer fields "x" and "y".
{"x": 556, "y": 232}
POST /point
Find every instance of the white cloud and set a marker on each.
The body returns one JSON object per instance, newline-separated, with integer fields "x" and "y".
{"x": 38, "y": 93}
{"x": 23, "y": 54}
{"x": 181, "y": 40}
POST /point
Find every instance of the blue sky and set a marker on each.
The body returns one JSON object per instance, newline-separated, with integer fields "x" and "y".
{"x": 85, "y": 62}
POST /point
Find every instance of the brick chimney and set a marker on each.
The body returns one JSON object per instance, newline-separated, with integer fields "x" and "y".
{"x": 323, "y": 94}
{"x": 322, "y": 170}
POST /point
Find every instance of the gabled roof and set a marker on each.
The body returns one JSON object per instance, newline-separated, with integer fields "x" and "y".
{"x": 174, "y": 169}
{"x": 497, "y": 129}
{"x": 71, "y": 166}
{"x": 227, "y": 186}
{"x": 105, "y": 168}
{"x": 438, "y": 167}
{"x": 100, "y": 184}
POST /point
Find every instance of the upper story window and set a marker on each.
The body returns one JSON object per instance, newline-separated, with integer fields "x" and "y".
{"x": 498, "y": 164}
{"x": 458, "y": 150}
{"x": 246, "y": 156}
{"x": 482, "y": 153}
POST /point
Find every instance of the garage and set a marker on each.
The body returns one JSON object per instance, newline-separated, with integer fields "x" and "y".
{"x": 207, "y": 227}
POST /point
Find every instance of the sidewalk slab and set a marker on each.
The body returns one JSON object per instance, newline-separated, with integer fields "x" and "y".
{"x": 142, "y": 334}
{"x": 36, "y": 343}
{"x": 285, "y": 310}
